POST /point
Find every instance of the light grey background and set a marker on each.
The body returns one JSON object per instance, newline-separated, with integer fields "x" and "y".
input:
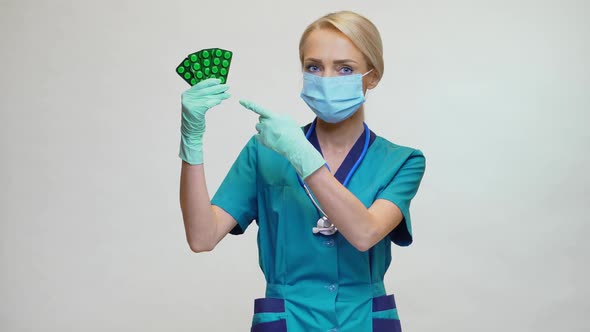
{"x": 495, "y": 93}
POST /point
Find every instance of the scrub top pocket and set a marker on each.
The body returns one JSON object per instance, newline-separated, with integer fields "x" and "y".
{"x": 385, "y": 317}
{"x": 269, "y": 315}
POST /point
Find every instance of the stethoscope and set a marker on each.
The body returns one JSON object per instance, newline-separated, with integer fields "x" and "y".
{"x": 324, "y": 226}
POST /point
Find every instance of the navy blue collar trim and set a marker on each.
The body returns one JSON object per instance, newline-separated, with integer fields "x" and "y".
{"x": 353, "y": 155}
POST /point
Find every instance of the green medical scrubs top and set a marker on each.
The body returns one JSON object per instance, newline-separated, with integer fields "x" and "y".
{"x": 317, "y": 282}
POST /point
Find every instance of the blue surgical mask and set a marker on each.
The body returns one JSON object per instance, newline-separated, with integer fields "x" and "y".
{"x": 333, "y": 99}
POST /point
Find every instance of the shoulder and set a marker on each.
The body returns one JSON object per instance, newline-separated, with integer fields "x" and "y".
{"x": 393, "y": 151}
{"x": 389, "y": 158}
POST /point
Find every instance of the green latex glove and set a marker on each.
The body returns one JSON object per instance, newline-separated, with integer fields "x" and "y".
{"x": 282, "y": 134}
{"x": 196, "y": 101}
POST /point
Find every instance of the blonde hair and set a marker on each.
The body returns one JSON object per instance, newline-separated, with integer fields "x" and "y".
{"x": 362, "y": 32}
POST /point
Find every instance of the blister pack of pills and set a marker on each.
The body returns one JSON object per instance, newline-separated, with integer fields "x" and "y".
{"x": 204, "y": 64}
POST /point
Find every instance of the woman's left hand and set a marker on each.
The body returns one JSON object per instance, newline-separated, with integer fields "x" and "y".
{"x": 283, "y": 135}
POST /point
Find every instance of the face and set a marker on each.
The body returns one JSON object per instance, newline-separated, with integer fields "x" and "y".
{"x": 328, "y": 53}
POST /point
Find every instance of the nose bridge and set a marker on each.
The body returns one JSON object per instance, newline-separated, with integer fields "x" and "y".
{"x": 329, "y": 72}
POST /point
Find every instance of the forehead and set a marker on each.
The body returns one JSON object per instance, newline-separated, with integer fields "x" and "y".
{"x": 330, "y": 44}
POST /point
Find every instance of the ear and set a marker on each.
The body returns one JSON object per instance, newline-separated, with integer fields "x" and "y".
{"x": 371, "y": 80}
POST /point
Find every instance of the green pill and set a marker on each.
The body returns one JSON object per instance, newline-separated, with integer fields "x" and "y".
{"x": 180, "y": 70}
{"x": 207, "y": 71}
{"x": 223, "y": 71}
{"x": 218, "y": 53}
{"x": 193, "y": 81}
{"x": 186, "y": 63}
{"x": 199, "y": 74}
{"x": 194, "y": 58}
{"x": 225, "y": 63}
{"x": 187, "y": 75}
{"x": 196, "y": 66}
{"x": 206, "y": 62}
{"x": 214, "y": 69}
{"x": 205, "y": 54}
{"x": 227, "y": 55}
{"x": 222, "y": 80}
{"x": 216, "y": 61}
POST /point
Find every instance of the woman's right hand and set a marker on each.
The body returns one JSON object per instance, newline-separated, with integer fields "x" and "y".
{"x": 196, "y": 101}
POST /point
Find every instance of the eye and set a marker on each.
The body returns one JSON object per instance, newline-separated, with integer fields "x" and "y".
{"x": 345, "y": 70}
{"x": 312, "y": 68}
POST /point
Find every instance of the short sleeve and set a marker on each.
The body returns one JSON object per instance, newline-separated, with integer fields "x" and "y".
{"x": 237, "y": 194}
{"x": 401, "y": 190}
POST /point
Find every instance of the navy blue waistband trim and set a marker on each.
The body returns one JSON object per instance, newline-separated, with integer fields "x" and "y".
{"x": 269, "y": 305}
{"x": 384, "y": 302}
{"x": 381, "y": 303}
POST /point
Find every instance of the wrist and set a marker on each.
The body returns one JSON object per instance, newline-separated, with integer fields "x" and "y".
{"x": 191, "y": 153}
{"x": 307, "y": 160}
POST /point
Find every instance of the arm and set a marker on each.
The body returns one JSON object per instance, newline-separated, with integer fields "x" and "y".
{"x": 205, "y": 224}
{"x": 346, "y": 212}
{"x": 363, "y": 227}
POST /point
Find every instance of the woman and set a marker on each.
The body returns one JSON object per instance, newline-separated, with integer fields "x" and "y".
{"x": 325, "y": 233}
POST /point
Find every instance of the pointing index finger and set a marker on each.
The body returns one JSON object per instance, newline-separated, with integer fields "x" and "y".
{"x": 255, "y": 108}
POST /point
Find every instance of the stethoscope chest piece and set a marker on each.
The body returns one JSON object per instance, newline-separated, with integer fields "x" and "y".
{"x": 324, "y": 227}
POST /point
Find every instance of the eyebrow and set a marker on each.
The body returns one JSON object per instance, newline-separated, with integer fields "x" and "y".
{"x": 335, "y": 61}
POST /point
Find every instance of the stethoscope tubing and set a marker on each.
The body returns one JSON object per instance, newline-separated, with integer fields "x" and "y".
{"x": 332, "y": 229}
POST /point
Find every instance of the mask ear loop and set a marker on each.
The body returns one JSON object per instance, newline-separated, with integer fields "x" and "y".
{"x": 367, "y": 72}
{"x": 366, "y": 92}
